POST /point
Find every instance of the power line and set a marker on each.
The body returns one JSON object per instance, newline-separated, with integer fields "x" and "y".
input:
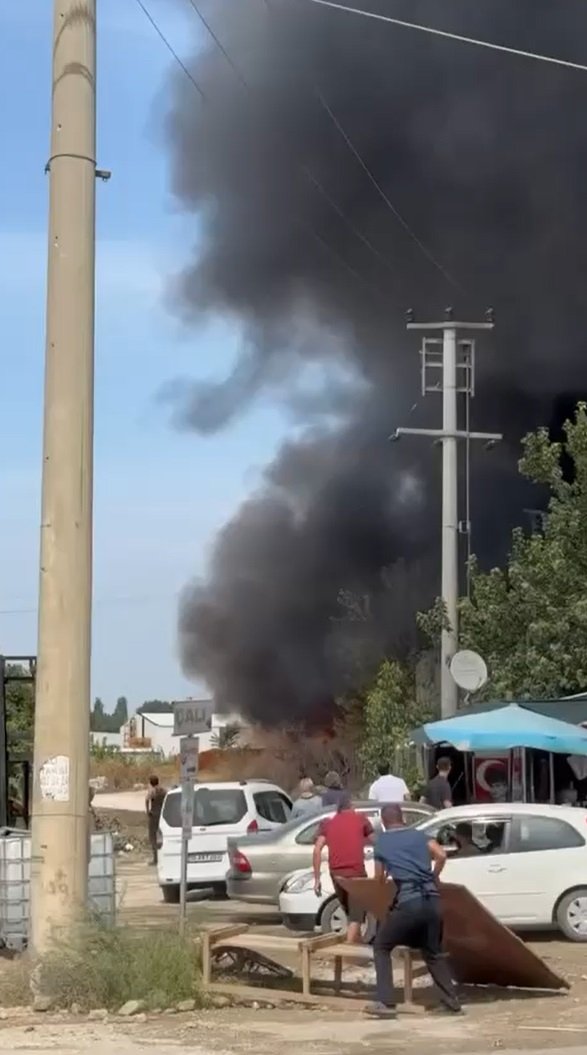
{"x": 449, "y": 36}
{"x": 424, "y": 249}
{"x": 354, "y": 230}
{"x": 308, "y": 175}
{"x": 333, "y": 252}
{"x": 342, "y": 131}
{"x": 171, "y": 49}
{"x": 218, "y": 43}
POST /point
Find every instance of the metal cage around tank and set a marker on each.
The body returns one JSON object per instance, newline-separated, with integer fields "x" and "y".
{"x": 15, "y": 871}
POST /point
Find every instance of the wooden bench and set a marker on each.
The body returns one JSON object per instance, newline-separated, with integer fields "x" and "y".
{"x": 332, "y": 947}
{"x": 323, "y": 947}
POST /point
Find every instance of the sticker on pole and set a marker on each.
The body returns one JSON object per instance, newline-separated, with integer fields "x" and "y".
{"x": 188, "y": 758}
{"x": 54, "y": 779}
{"x": 187, "y": 809}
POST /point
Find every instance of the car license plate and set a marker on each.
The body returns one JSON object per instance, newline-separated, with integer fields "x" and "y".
{"x": 204, "y": 858}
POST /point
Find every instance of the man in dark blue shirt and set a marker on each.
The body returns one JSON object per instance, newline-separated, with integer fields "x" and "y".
{"x": 414, "y": 919}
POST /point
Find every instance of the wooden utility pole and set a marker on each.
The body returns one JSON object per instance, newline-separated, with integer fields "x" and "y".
{"x": 60, "y": 834}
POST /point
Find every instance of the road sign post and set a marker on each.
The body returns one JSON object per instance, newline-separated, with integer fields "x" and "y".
{"x": 188, "y": 756}
{"x": 190, "y": 717}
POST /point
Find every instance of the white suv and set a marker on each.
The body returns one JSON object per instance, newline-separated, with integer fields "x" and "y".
{"x": 220, "y": 811}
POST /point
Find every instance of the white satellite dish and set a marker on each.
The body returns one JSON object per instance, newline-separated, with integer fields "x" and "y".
{"x": 469, "y": 670}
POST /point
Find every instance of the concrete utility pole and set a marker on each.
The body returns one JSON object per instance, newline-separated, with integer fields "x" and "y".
{"x": 60, "y": 837}
{"x": 451, "y": 363}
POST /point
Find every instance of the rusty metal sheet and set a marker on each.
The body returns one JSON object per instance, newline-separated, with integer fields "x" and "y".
{"x": 482, "y": 950}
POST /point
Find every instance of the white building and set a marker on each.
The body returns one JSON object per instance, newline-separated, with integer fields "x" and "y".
{"x": 112, "y": 741}
{"x": 154, "y": 732}
{"x": 150, "y": 732}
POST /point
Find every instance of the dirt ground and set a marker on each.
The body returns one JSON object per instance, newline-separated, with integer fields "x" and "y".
{"x": 507, "y": 1021}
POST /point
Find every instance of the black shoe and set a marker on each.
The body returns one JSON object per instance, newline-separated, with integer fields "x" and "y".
{"x": 451, "y": 1009}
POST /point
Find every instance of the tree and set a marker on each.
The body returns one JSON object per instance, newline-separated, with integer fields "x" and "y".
{"x": 529, "y": 619}
{"x": 391, "y": 712}
{"x": 226, "y": 737}
{"x": 20, "y": 710}
{"x": 155, "y": 707}
{"x": 120, "y": 715}
{"x": 98, "y": 717}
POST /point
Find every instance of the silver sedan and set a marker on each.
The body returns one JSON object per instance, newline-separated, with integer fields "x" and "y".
{"x": 260, "y": 863}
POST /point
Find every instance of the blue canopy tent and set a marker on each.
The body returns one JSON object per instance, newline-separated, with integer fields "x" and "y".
{"x": 510, "y": 728}
{"x": 504, "y": 729}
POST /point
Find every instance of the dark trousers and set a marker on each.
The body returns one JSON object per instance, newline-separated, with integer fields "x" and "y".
{"x": 153, "y": 824}
{"x": 418, "y": 924}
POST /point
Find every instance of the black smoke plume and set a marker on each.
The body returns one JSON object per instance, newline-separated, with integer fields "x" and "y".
{"x": 484, "y": 155}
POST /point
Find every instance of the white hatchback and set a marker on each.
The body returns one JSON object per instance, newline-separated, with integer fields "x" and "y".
{"x": 528, "y": 868}
{"x": 220, "y": 811}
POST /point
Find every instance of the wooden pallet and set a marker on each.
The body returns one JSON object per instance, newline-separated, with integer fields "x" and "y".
{"x": 323, "y": 947}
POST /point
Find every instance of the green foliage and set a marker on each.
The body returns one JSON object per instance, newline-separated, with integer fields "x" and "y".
{"x": 20, "y": 710}
{"x": 120, "y": 715}
{"x": 100, "y": 752}
{"x": 103, "y": 967}
{"x": 391, "y": 713}
{"x": 529, "y": 619}
{"x": 227, "y": 737}
{"x": 101, "y": 722}
{"x": 155, "y": 707}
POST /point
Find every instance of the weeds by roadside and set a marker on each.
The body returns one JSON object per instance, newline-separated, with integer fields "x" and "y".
{"x": 104, "y": 967}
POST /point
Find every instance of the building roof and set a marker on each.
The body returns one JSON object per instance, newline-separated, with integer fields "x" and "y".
{"x": 164, "y": 719}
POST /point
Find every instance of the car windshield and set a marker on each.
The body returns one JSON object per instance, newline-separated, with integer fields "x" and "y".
{"x": 212, "y": 806}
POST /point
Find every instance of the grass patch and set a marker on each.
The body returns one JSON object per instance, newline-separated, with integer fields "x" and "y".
{"x": 103, "y": 967}
{"x": 15, "y": 982}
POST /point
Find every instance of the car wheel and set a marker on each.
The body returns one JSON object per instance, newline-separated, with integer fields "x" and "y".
{"x": 333, "y": 919}
{"x": 571, "y": 915}
{"x": 170, "y": 895}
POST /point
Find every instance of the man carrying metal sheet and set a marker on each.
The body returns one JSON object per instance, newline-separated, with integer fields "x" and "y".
{"x": 414, "y": 917}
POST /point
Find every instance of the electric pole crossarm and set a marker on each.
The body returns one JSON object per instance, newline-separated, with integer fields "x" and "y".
{"x": 450, "y": 325}
{"x": 440, "y": 434}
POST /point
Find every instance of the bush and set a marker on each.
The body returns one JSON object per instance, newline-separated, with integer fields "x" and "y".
{"x": 122, "y": 772}
{"x": 103, "y": 967}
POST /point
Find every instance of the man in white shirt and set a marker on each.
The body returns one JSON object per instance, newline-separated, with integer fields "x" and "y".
{"x": 387, "y": 787}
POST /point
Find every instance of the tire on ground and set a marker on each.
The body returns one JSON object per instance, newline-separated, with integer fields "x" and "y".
{"x": 170, "y": 894}
{"x": 562, "y": 915}
{"x": 329, "y": 910}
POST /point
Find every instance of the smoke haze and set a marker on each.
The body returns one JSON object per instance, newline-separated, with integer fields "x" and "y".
{"x": 484, "y": 156}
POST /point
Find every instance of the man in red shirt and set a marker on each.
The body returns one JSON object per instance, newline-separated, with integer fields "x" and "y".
{"x": 345, "y": 835}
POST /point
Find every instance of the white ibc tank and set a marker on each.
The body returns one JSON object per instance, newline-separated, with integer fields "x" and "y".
{"x": 15, "y": 875}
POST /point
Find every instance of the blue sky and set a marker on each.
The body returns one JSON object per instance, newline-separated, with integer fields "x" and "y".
{"x": 160, "y": 495}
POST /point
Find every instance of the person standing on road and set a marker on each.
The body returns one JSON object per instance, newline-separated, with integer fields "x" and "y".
{"x": 438, "y": 792}
{"x": 414, "y": 917}
{"x": 345, "y": 835}
{"x": 334, "y": 791}
{"x": 154, "y": 805}
{"x": 308, "y": 800}
{"x": 387, "y": 787}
